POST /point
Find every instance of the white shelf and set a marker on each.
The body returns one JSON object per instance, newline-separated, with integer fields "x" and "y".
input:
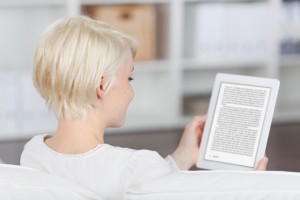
{"x": 287, "y": 114}
{"x": 196, "y": 88}
{"x": 159, "y": 66}
{"x": 292, "y": 30}
{"x": 110, "y": 2}
{"x": 196, "y": 64}
{"x": 23, "y": 3}
{"x": 151, "y": 124}
{"x": 225, "y": 1}
{"x": 290, "y": 61}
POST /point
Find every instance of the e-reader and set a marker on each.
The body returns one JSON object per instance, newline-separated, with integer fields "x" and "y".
{"x": 238, "y": 122}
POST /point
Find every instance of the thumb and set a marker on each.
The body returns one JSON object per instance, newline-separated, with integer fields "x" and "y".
{"x": 262, "y": 165}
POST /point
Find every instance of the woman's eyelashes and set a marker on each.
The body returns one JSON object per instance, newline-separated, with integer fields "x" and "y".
{"x": 130, "y": 78}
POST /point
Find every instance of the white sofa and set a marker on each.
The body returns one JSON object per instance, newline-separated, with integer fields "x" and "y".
{"x": 23, "y": 183}
{"x": 18, "y": 182}
{"x": 220, "y": 185}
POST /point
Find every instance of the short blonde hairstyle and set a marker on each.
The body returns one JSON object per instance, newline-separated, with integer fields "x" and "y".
{"x": 72, "y": 56}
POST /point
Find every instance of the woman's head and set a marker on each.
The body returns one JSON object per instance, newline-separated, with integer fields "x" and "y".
{"x": 71, "y": 59}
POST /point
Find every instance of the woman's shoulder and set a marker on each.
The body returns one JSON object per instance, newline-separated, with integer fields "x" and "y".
{"x": 133, "y": 155}
{"x": 36, "y": 141}
{"x": 36, "y": 148}
{"x": 37, "y": 145}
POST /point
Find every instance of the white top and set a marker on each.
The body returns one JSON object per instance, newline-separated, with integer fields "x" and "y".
{"x": 107, "y": 170}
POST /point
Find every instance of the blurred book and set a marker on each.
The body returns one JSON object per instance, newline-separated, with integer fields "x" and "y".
{"x": 8, "y": 101}
{"x": 231, "y": 31}
{"x": 23, "y": 112}
{"x": 35, "y": 115}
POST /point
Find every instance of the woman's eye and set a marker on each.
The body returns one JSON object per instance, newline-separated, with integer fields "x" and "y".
{"x": 130, "y": 78}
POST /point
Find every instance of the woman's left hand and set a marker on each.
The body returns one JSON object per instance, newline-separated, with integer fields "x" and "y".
{"x": 186, "y": 154}
{"x": 262, "y": 165}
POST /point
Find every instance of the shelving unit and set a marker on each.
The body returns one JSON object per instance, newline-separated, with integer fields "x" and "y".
{"x": 168, "y": 90}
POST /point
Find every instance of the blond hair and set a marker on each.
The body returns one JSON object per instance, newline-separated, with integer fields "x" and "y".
{"x": 71, "y": 57}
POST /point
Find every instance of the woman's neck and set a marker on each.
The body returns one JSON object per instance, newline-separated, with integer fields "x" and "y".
{"x": 77, "y": 136}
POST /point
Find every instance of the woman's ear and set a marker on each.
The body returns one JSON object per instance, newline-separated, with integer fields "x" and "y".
{"x": 100, "y": 93}
{"x": 99, "y": 90}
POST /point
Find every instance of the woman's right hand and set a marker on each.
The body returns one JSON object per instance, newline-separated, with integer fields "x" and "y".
{"x": 187, "y": 151}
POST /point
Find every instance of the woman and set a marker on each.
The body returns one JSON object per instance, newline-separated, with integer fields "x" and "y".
{"x": 83, "y": 69}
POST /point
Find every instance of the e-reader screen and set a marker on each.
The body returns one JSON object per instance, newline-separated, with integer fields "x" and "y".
{"x": 237, "y": 124}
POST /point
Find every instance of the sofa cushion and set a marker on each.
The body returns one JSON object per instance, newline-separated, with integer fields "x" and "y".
{"x": 18, "y": 182}
{"x": 220, "y": 185}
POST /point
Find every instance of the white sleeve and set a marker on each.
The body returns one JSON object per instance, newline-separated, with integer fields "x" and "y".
{"x": 146, "y": 165}
{"x": 171, "y": 162}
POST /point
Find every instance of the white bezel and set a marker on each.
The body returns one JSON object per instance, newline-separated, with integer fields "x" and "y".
{"x": 273, "y": 84}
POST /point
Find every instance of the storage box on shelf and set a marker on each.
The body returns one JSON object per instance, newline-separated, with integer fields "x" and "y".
{"x": 136, "y": 20}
